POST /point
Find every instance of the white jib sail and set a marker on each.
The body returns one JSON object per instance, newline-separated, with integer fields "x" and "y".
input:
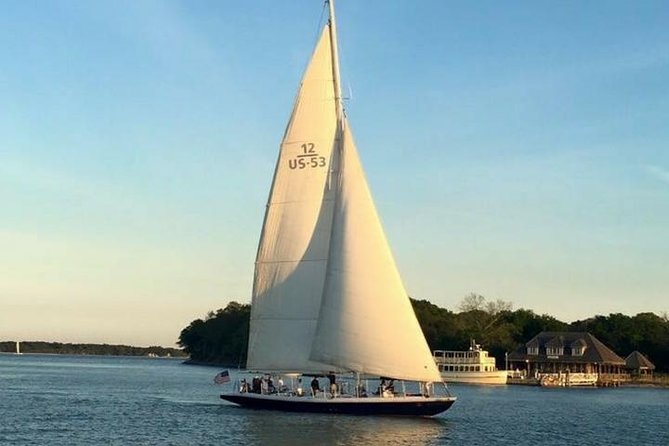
{"x": 366, "y": 323}
{"x": 293, "y": 250}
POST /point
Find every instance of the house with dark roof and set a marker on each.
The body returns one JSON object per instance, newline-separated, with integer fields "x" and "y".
{"x": 638, "y": 365}
{"x": 566, "y": 359}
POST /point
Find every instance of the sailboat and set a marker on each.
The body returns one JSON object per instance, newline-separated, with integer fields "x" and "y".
{"x": 328, "y": 300}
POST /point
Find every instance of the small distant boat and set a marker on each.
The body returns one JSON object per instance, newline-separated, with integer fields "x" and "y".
{"x": 327, "y": 296}
{"x": 18, "y": 347}
{"x": 473, "y": 366}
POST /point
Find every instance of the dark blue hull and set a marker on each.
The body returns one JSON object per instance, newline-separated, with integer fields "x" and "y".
{"x": 353, "y": 406}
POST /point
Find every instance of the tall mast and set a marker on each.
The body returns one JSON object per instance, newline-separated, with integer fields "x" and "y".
{"x": 335, "y": 62}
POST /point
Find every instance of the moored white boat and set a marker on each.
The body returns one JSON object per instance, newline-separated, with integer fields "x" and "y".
{"x": 473, "y": 366}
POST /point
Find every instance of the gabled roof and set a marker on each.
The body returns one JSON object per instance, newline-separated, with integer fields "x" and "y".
{"x": 636, "y": 360}
{"x": 557, "y": 341}
{"x": 595, "y": 351}
{"x": 580, "y": 342}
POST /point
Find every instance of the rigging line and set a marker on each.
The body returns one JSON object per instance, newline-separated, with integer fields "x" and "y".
{"x": 344, "y": 99}
{"x": 319, "y": 26}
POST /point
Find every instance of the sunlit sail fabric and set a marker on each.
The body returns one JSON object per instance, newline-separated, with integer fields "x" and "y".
{"x": 327, "y": 294}
{"x": 293, "y": 250}
{"x": 366, "y": 323}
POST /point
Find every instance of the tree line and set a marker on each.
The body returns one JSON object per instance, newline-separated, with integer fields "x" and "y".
{"x": 89, "y": 349}
{"x": 222, "y": 336}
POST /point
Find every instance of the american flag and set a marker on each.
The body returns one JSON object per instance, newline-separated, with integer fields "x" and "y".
{"x": 222, "y": 378}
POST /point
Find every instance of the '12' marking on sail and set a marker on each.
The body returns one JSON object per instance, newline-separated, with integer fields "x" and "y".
{"x": 308, "y": 158}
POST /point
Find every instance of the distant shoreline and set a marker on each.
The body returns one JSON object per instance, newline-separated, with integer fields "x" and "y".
{"x": 60, "y": 348}
{"x": 176, "y": 358}
{"x": 211, "y": 364}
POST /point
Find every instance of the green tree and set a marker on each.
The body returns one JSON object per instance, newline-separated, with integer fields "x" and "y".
{"x": 222, "y": 337}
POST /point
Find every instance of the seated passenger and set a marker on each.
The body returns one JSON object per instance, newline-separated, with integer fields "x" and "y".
{"x": 256, "y": 385}
{"x": 387, "y": 388}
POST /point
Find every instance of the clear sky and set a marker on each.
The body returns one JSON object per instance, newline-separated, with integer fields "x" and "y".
{"x": 515, "y": 149}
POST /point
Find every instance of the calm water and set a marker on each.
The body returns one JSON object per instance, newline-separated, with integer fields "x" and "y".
{"x": 99, "y": 400}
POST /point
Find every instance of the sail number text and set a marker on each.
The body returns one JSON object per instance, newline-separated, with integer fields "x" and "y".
{"x": 308, "y": 158}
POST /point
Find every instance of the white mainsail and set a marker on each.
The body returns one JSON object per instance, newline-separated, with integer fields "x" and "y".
{"x": 293, "y": 250}
{"x": 327, "y": 294}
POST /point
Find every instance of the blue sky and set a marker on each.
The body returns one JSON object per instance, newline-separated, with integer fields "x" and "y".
{"x": 515, "y": 149}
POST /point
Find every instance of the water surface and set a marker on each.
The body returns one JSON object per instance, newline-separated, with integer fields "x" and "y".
{"x": 81, "y": 400}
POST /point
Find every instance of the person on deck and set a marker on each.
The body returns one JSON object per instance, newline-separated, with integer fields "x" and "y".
{"x": 333, "y": 384}
{"x": 315, "y": 386}
{"x": 387, "y": 387}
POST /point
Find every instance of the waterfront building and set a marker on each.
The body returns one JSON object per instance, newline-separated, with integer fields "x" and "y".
{"x": 638, "y": 365}
{"x": 566, "y": 359}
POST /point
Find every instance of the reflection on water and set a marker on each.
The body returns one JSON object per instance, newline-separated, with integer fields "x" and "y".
{"x": 276, "y": 428}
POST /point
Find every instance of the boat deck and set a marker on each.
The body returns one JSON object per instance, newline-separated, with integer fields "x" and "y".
{"x": 402, "y": 405}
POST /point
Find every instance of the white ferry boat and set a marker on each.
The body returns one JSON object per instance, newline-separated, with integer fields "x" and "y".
{"x": 471, "y": 367}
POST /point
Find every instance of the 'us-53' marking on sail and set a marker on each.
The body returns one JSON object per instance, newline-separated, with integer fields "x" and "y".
{"x": 308, "y": 158}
